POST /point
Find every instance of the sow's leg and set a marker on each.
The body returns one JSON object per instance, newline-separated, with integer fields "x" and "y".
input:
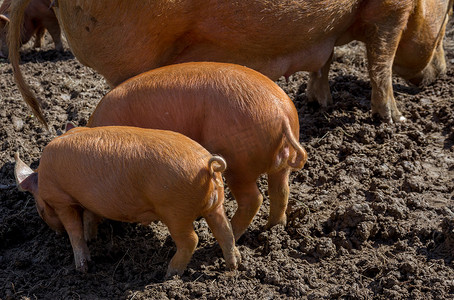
{"x": 222, "y": 231}
{"x": 382, "y": 37}
{"x": 318, "y": 85}
{"x": 278, "y": 191}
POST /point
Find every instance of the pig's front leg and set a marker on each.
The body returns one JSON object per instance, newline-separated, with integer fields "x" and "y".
{"x": 72, "y": 221}
{"x": 382, "y": 39}
{"x": 222, "y": 231}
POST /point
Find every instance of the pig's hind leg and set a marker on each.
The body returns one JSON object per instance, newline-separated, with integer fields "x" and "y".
{"x": 71, "y": 217}
{"x": 278, "y": 191}
{"x": 222, "y": 231}
{"x": 318, "y": 85}
{"x": 185, "y": 238}
{"x": 248, "y": 198}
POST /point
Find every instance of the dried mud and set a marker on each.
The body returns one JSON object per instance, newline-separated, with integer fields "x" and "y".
{"x": 371, "y": 214}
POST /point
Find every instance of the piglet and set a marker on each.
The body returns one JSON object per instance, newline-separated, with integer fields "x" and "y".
{"x": 132, "y": 175}
{"x": 230, "y": 110}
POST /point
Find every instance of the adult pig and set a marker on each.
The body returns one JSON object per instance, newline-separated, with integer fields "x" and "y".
{"x": 230, "y": 110}
{"x": 38, "y": 16}
{"x": 131, "y": 175}
{"x": 123, "y": 38}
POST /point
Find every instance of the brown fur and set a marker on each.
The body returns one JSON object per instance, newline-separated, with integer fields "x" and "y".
{"x": 231, "y": 110}
{"x": 132, "y": 175}
{"x": 273, "y": 37}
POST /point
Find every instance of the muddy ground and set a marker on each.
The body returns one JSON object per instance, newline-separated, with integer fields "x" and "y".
{"x": 371, "y": 214}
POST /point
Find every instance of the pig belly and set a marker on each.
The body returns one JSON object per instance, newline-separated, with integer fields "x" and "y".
{"x": 117, "y": 202}
{"x": 124, "y": 212}
{"x": 308, "y": 59}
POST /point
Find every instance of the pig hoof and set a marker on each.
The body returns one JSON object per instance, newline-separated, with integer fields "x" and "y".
{"x": 322, "y": 97}
{"x": 282, "y": 221}
{"x": 399, "y": 119}
{"x": 82, "y": 266}
{"x": 325, "y": 101}
{"x": 237, "y": 256}
{"x": 234, "y": 261}
{"x": 172, "y": 272}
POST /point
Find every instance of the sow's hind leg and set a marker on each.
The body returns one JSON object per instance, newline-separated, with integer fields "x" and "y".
{"x": 318, "y": 85}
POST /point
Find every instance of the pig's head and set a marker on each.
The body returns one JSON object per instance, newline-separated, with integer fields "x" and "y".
{"x": 4, "y": 21}
{"x": 420, "y": 57}
{"x": 27, "y": 180}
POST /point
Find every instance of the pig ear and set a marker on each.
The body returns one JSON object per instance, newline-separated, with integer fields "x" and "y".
{"x": 4, "y": 17}
{"x": 26, "y": 178}
{"x": 69, "y": 126}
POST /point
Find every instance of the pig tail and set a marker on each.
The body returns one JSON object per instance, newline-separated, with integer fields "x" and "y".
{"x": 217, "y": 164}
{"x": 301, "y": 154}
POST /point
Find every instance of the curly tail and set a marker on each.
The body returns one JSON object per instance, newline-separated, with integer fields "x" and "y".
{"x": 301, "y": 154}
{"x": 217, "y": 164}
{"x": 14, "y": 41}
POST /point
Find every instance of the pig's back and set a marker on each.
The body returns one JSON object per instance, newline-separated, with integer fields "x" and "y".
{"x": 179, "y": 97}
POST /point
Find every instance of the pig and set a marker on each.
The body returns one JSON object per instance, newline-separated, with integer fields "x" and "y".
{"x": 132, "y": 175}
{"x": 230, "y": 110}
{"x": 277, "y": 38}
{"x": 38, "y": 16}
